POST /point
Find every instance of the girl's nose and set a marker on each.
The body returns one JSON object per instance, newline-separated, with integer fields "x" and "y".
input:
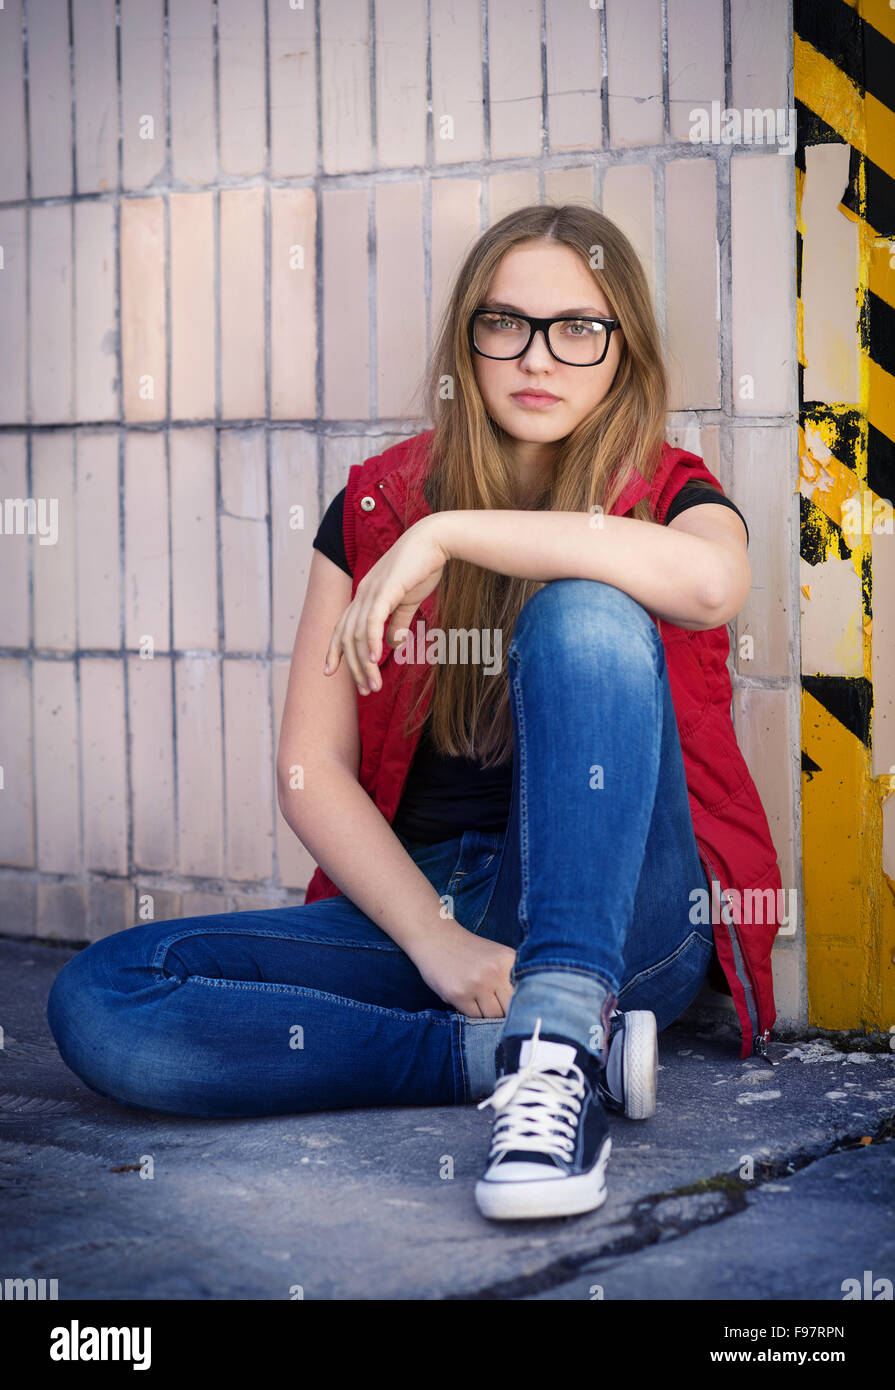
{"x": 538, "y": 353}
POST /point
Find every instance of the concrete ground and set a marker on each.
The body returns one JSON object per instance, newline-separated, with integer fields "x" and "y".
{"x": 378, "y": 1204}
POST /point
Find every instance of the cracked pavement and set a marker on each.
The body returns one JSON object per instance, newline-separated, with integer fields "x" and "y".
{"x": 378, "y": 1204}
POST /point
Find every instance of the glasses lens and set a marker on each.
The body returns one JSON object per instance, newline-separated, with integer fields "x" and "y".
{"x": 580, "y": 341}
{"x": 500, "y": 335}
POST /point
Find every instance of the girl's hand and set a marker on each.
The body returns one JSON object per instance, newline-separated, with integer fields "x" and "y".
{"x": 395, "y": 587}
{"x": 469, "y": 972}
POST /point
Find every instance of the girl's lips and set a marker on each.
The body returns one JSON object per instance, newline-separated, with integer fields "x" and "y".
{"x": 530, "y": 398}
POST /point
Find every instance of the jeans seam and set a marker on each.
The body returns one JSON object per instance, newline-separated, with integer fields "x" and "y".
{"x": 269, "y": 987}
{"x": 162, "y": 947}
{"x": 460, "y": 1064}
{"x": 522, "y": 909}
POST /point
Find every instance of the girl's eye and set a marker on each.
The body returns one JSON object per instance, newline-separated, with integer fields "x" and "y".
{"x": 497, "y": 320}
{"x": 587, "y": 325}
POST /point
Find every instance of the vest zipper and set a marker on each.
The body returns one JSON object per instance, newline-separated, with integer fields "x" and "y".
{"x": 381, "y": 486}
{"x": 401, "y": 521}
{"x": 402, "y": 524}
{"x": 759, "y": 1040}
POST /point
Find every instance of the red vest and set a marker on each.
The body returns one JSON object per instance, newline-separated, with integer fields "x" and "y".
{"x": 384, "y": 497}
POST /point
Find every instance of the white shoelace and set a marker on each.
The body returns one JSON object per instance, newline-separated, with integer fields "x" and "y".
{"x": 534, "y": 1103}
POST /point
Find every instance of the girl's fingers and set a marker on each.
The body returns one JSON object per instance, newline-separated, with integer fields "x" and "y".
{"x": 338, "y": 646}
{"x": 359, "y": 646}
{"x": 373, "y": 653}
{"x": 368, "y": 640}
{"x": 334, "y": 650}
{"x": 354, "y": 657}
{"x": 368, "y": 631}
{"x": 366, "y": 635}
{"x": 358, "y": 636}
{"x": 350, "y": 652}
{"x": 368, "y": 668}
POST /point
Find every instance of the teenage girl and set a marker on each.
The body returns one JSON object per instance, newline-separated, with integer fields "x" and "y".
{"x": 504, "y": 827}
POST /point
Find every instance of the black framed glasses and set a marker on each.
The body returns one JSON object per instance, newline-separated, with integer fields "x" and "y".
{"x": 576, "y": 342}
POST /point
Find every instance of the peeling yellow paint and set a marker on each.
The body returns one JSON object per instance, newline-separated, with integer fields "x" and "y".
{"x": 882, "y": 269}
{"x": 879, "y": 13}
{"x": 849, "y": 916}
{"x": 880, "y": 395}
{"x": 800, "y": 331}
{"x": 849, "y": 899}
{"x": 800, "y": 186}
{"x": 833, "y": 482}
{"x": 831, "y": 94}
{"x": 826, "y": 90}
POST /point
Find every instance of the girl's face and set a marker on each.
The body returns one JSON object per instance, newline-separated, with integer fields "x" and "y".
{"x": 546, "y": 280}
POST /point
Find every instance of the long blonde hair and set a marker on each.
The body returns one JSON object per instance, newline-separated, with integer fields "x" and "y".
{"x": 470, "y": 461}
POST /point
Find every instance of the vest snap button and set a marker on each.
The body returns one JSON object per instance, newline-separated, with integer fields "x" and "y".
{"x": 368, "y": 503}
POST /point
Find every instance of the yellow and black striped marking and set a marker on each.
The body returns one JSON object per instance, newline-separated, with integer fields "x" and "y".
{"x": 845, "y": 93}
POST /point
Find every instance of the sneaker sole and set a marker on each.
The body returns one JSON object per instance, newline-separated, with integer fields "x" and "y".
{"x": 526, "y": 1201}
{"x": 641, "y": 1064}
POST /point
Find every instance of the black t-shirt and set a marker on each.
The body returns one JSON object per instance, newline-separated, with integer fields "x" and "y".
{"x": 443, "y": 796}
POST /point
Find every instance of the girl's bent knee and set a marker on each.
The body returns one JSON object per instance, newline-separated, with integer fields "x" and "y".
{"x": 573, "y": 605}
{"x": 581, "y": 622}
{"x": 109, "y": 1031}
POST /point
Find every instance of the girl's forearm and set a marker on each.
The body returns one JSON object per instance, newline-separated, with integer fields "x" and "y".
{"x": 332, "y": 815}
{"x": 672, "y": 575}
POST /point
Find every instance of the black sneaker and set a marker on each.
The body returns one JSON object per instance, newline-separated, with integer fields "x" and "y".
{"x": 550, "y": 1141}
{"x": 628, "y": 1084}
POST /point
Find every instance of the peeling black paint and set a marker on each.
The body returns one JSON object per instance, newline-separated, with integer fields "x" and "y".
{"x": 847, "y": 698}
{"x": 820, "y": 538}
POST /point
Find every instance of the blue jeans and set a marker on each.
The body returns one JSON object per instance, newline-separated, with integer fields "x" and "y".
{"x": 314, "y": 1007}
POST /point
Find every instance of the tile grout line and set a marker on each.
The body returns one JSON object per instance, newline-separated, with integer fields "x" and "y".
{"x": 426, "y": 192}
{"x": 75, "y": 453}
{"x": 167, "y": 244}
{"x": 318, "y": 213}
{"x": 666, "y": 88}
{"x": 268, "y": 442}
{"x": 544, "y": 95}
{"x": 348, "y": 427}
{"x": 795, "y": 620}
{"x": 605, "y": 144}
{"x": 218, "y": 429}
{"x": 29, "y": 439}
{"x": 372, "y": 210}
{"x": 120, "y": 429}
{"x": 486, "y": 174}
{"x": 557, "y": 161}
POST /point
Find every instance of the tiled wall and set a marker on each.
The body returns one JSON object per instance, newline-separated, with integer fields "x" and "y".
{"x": 195, "y": 199}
